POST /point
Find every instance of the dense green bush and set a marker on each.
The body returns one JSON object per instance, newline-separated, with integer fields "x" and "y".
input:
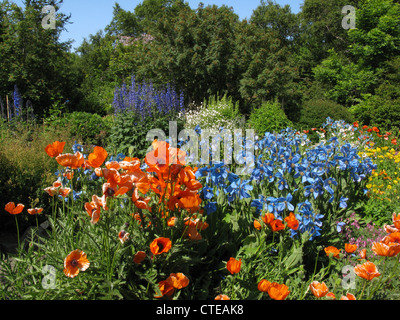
{"x": 129, "y": 131}
{"x": 381, "y": 109}
{"x": 88, "y": 128}
{"x": 269, "y": 117}
{"x": 315, "y": 111}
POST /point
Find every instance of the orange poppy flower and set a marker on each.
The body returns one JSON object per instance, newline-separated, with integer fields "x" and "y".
{"x": 12, "y": 209}
{"x": 123, "y": 236}
{"x": 97, "y": 157}
{"x": 278, "y": 291}
{"x": 348, "y": 296}
{"x": 277, "y": 225}
{"x": 268, "y": 218}
{"x": 35, "y": 211}
{"x": 73, "y": 161}
{"x": 162, "y": 155}
{"x": 331, "y": 296}
{"x": 387, "y": 250}
{"x": 263, "y": 285}
{"x": 367, "y": 270}
{"x": 396, "y": 220}
{"x": 319, "y": 290}
{"x": 363, "y": 253}
{"x": 139, "y": 201}
{"x": 350, "y": 248}
{"x": 292, "y": 222}
{"x": 332, "y": 250}
{"x": 394, "y": 237}
{"x": 139, "y": 257}
{"x": 75, "y": 261}
{"x": 178, "y": 280}
{"x": 55, "y": 148}
{"x": 166, "y": 289}
{"x": 222, "y": 297}
{"x": 257, "y": 224}
{"x": 160, "y": 245}
{"x": 234, "y": 265}
{"x": 171, "y": 221}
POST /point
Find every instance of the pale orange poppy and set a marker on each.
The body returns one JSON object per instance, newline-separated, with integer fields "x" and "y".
{"x": 348, "y": 296}
{"x": 268, "y": 218}
{"x": 55, "y": 148}
{"x": 319, "y": 290}
{"x": 387, "y": 250}
{"x": 396, "y": 220}
{"x": 75, "y": 262}
{"x": 234, "y": 265}
{"x": 367, "y": 270}
{"x": 123, "y": 236}
{"x": 257, "y": 224}
{"x": 178, "y": 280}
{"x": 12, "y": 209}
{"x": 160, "y": 245}
{"x": 34, "y": 211}
{"x": 277, "y": 225}
{"x": 73, "y": 161}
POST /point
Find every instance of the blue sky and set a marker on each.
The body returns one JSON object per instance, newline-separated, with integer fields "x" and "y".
{"x": 90, "y": 16}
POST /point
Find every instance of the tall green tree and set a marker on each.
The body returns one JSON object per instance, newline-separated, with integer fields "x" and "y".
{"x": 33, "y": 58}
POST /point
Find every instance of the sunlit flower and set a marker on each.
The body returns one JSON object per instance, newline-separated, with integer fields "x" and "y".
{"x": 222, "y": 297}
{"x": 160, "y": 245}
{"x": 292, "y": 222}
{"x": 178, "y": 280}
{"x": 166, "y": 289}
{"x": 319, "y": 290}
{"x": 332, "y": 250}
{"x": 123, "y": 236}
{"x": 263, "y": 285}
{"x": 75, "y": 261}
{"x": 348, "y": 296}
{"x": 387, "y": 250}
{"x": 73, "y": 161}
{"x": 278, "y": 291}
{"x": 55, "y": 148}
{"x": 97, "y": 157}
{"x": 350, "y": 248}
{"x": 367, "y": 270}
{"x": 234, "y": 265}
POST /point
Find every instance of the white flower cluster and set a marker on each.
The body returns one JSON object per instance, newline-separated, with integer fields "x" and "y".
{"x": 212, "y": 118}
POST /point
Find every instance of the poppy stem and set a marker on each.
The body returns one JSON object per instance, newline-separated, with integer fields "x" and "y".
{"x": 16, "y": 224}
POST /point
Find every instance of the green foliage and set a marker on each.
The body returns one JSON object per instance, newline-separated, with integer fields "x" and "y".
{"x": 315, "y": 111}
{"x": 129, "y": 132}
{"x": 269, "y": 117}
{"x": 88, "y": 128}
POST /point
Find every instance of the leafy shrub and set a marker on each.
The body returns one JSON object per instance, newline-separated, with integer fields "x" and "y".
{"x": 269, "y": 117}
{"x": 315, "y": 111}
{"x": 88, "y": 128}
{"x": 381, "y": 109}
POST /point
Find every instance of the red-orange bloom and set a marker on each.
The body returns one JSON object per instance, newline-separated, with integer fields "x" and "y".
{"x": 234, "y": 265}
{"x": 332, "y": 250}
{"x": 162, "y": 156}
{"x": 139, "y": 257}
{"x": 35, "y": 211}
{"x": 76, "y": 261}
{"x": 268, "y": 218}
{"x": 387, "y": 250}
{"x": 319, "y": 290}
{"x": 367, "y": 270}
{"x": 97, "y": 157}
{"x": 278, "y": 291}
{"x": 123, "y": 236}
{"x": 292, "y": 222}
{"x": 12, "y": 209}
{"x": 263, "y": 285}
{"x": 55, "y": 148}
{"x": 178, "y": 280}
{"x": 350, "y": 248}
{"x": 277, "y": 225}
{"x": 348, "y": 296}
{"x": 363, "y": 253}
{"x": 396, "y": 220}
{"x": 93, "y": 209}
{"x": 257, "y": 224}
{"x": 222, "y": 297}
{"x": 73, "y": 161}
{"x": 166, "y": 289}
{"x": 160, "y": 245}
